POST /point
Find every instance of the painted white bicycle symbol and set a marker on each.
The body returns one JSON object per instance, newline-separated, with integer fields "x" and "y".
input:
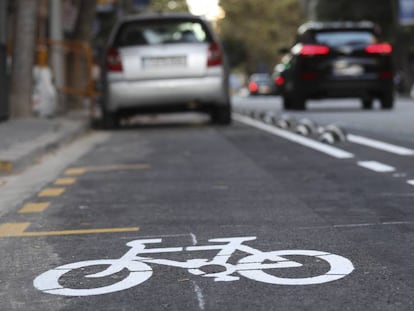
{"x": 253, "y": 266}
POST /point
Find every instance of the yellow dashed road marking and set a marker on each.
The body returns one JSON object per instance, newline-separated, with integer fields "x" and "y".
{"x": 34, "y": 208}
{"x": 19, "y": 230}
{"x": 51, "y": 192}
{"x": 65, "y": 181}
{"x": 75, "y": 171}
{"x": 104, "y": 168}
{"x": 6, "y": 166}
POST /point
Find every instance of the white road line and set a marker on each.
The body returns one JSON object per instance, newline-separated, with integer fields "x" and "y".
{"x": 376, "y": 166}
{"x": 387, "y": 223}
{"x": 410, "y": 182}
{"x": 329, "y": 150}
{"x": 380, "y": 145}
{"x": 200, "y": 296}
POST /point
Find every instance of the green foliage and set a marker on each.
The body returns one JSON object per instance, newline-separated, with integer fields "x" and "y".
{"x": 254, "y": 30}
{"x": 381, "y": 12}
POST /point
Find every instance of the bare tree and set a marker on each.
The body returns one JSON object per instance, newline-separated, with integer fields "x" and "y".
{"x": 23, "y": 58}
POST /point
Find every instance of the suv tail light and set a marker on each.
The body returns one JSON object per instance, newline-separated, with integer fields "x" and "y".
{"x": 113, "y": 60}
{"x": 311, "y": 50}
{"x": 380, "y": 48}
{"x": 214, "y": 55}
{"x": 279, "y": 81}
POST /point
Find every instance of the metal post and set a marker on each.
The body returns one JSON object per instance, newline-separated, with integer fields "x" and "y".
{"x": 3, "y": 61}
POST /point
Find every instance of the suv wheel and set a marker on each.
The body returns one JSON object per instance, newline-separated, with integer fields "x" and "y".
{"x": 294, "y": 102}
{"x": 221, "y": 114}
{"x": 387, "y": 101}
{"x": 367, "y": 103}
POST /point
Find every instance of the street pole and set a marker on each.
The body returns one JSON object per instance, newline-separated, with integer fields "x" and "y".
{"x": 23, "y": 53}
{"x": 3, "y": 60}
{"x": 57, "y": 49}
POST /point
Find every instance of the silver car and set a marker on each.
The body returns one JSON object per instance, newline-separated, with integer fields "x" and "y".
{"x": 164, "y": 63}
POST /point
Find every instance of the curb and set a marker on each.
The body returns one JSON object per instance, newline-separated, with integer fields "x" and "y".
{"x": 23, "y": 154}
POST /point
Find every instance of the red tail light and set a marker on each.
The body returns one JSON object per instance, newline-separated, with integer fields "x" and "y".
{"x": 386, "y": 75}
{"x": 253, "y": 87}
{"x": 312, "y": 50}
{"x": 280, "y": 81}
{"x": 113, "y": 60}
{"x": 308, "y": 76}
{"x": 381, "y": 48}
{"x": 214, "y": 55}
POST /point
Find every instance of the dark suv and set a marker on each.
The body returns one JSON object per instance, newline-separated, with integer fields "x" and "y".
{"x": 337, "y": 59}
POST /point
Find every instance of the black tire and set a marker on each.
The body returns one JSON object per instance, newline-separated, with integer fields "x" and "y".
{"x": 221, "y": 115}
{"x": 387, "y": 101}
{"x": 367, "y": 103}
{"x": 110, "y": 120}
{"x": 287, "y": 104}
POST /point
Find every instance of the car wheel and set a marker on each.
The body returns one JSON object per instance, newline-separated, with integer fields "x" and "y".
{"x": 367, "y": 103}
{"x": 110, "y": 120}
{"x": 387, "y": 101}
{"x": 221, "y": 114}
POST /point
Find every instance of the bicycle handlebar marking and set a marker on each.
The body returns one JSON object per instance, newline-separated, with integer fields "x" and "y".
{"x": 256, "y": 266}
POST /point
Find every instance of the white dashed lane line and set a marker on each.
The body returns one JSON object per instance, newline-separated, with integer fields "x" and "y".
{"x": 376, "y": 166}
{"x": 307, "y": 142}
{"x": 376, "y": 144}
{"x": 338, "y": 153}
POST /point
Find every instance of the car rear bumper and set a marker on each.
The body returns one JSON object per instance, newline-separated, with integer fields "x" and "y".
{"x": 163, "y": 92}
{"x": 346, "y": 88}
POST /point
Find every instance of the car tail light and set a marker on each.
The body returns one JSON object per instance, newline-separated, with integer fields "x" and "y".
{"x": 214, "y": 55}
{"x": 253, "y": 87}
{"x": 312, "y": 50}
{"x": 113, "y": 60}
{"x": 380, "y": 48}
{"x": 386, "y": 75}
{"x": 280, "y": 81}
{"x": 308, "y": 76}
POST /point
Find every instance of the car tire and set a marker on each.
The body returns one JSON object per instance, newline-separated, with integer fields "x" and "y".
{"x": 110, "y": 120}
{"x": 387, "y": 101}
{"x": 221, "y": 114}
{"x": 367, "y": 103}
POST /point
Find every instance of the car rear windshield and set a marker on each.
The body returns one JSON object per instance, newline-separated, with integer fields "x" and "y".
{"x": 153, "y": 32}
{"x": 341, "y": 38}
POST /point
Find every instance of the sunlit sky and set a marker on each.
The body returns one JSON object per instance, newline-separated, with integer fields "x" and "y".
{"x": 209, "y": 8}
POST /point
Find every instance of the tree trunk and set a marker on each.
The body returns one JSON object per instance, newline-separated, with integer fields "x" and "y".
{"x": 77, "y": 64}
{"x": 23, "y": 58}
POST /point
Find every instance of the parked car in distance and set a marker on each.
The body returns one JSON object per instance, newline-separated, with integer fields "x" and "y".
{"x": 338, "y": 59}
{"x": 260, "y": 84}
{"x": 164, "y": 63}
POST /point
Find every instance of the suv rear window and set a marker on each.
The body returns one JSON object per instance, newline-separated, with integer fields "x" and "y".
{"x": 153, "y": 32}
{"x": 341, "y": 38}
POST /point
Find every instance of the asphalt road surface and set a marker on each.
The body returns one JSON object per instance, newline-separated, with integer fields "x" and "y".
{"x": 178, "y": 214}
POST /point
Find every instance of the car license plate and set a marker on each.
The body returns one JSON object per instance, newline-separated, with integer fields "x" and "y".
{"x": 170, "y": 61}
{"x": 343, "y": 68}
{"x": 264, "y": 89}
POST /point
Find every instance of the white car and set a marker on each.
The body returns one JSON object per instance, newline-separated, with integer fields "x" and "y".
{"x": 164, "y": 63}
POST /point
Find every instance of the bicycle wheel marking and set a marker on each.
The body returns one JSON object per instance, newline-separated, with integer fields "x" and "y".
{"x": 256, "y": 265}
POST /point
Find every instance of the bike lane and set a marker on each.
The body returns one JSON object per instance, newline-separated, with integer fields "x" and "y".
{"x": 187, "y": 186}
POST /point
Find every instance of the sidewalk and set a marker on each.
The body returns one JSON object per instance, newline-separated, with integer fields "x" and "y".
{"x": 23, "y": 141}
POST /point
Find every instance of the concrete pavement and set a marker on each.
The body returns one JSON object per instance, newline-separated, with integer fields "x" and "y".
{"x": 23, "y": 141}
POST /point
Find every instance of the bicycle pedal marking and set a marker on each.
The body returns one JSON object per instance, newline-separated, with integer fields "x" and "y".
{"x": 137, "y": 266}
